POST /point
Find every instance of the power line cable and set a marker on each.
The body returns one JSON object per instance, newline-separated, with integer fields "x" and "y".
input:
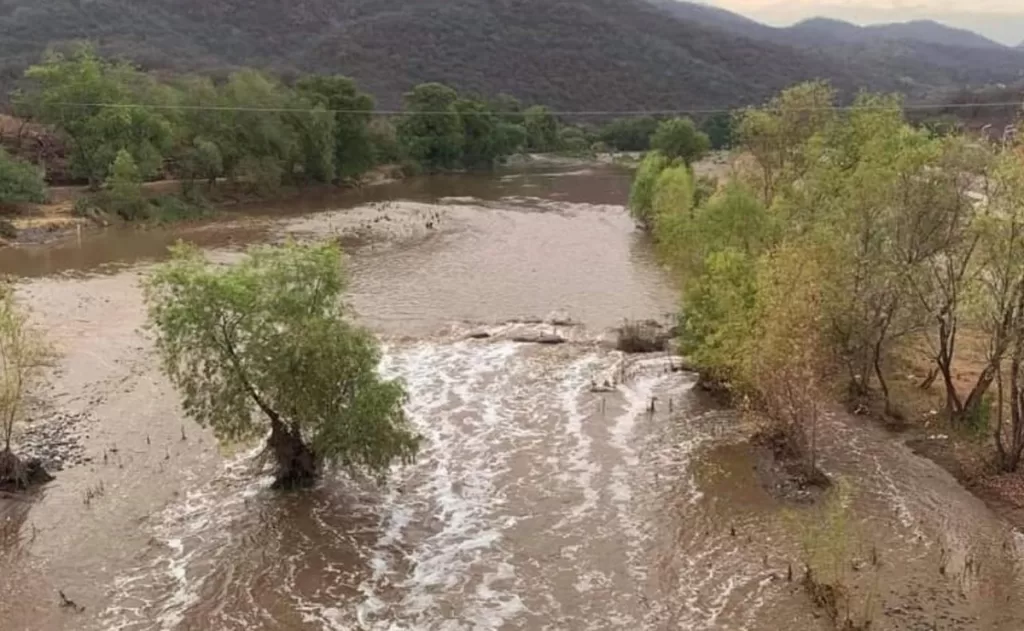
{"x": 560, "y": 113}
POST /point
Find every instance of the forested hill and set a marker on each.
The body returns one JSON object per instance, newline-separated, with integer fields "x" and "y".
{"x": 570, "y": 54}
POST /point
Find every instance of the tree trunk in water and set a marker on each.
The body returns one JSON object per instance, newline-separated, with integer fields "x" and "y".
{"x": 16, "y": 475}
{"x": 297, "y": 465}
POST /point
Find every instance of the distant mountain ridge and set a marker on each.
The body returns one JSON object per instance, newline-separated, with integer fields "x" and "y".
{"x": 924, "y": 31}
{"x": 917, "y": 54}
{"x": 608, "y": 55}
{"x": 815, "y": 30}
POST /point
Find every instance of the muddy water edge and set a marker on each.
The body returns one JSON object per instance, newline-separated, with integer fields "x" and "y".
{"x": 539, "y": 501}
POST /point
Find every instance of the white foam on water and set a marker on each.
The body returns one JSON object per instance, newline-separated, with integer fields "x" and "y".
{"x": 187, "y": 530}
{"x": 455, "y": 402}
{"x": 638, "y": 397}
{"x": 581, "y": 468}
{"x": 439, "y": 558}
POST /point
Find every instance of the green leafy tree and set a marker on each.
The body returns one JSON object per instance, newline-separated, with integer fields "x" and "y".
{"x": 24, "y": 356}
{"x": 387, "y": 149}
{"x": 629, "y": 134}
{"x": 20, "y": 181}
{"x": 641, "y": 195}
{"x": 776, "y": 135}
{"x": 97, "y": 105}
{"x": 998, "y": 302}
{"x": 252, "y": 122}
{"x": 432, "y": 129}
{"x": 353, "y": 150}
{"x": 481, "y": 144}
{"x": 541, "y": 129}
{"x": 673, "y": 207}
{"x": 573, "y": 141}
{"x": 511, "y": 137}
{"x": 786, "y": 357}
{"x": 718, "y": 313}
{"x": 508, "y": 108}
{"x": 202, "y": 160}
{"x": 719, "y": 129}
{"x": 679, "y": 139}
{"x": 315, "y": 134}
{"x": 266, "y": 345}
{"x": 124, "y": 193}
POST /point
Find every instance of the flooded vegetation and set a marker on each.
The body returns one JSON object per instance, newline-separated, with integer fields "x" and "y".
{"x": 541, "y": 498}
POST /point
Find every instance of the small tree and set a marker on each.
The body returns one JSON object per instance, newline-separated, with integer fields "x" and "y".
{"x": 353, "y": 149}
{"x": 95, "y": 131}
{"x": 641, "y": 195}
{"x": 432, "y": 132}
{"x": 265, "y": 345}
{"x": 679, "y": 139}
{"x": 23, "y": 356}
{"x": 786, "y": 360}
{"x": 124, "y": 188}
{"x": 20, "y": 181}
{"x": 482, "y": 144}
{"x": 202, "y": 160}
{"x": 541, "y": 128}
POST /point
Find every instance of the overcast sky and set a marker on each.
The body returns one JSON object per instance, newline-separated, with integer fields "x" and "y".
{"x": 1001, "y": 20}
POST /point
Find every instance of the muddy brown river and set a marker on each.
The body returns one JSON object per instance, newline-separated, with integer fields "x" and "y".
{"x": 536, "y": 503}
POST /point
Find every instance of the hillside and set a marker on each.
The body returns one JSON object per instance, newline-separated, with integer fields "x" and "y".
{"x": 570, "y": 54}
{"x": 918, "y": 55}
{"x": 822, "y": 31}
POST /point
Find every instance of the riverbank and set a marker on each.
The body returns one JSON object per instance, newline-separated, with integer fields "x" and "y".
{"x": 56, "y": 219}
{"x": 968, "y": 454}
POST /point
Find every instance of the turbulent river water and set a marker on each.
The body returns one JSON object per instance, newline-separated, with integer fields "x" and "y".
{"x": 538, "y": 501}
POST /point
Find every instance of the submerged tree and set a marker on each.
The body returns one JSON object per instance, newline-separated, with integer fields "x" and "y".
{"x": 23, "y": 356}
{"x": 265, "y": 345}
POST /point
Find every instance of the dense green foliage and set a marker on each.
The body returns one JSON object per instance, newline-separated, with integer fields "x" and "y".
{"x": 585, "y": 54}
{"x": 353, "y": 149}
{"x": 847, "y": 237}
{"x": 541, "y": 129}
{"x": 641, "y": 197}
{"x": 433, "y": 134}
{"x": 91, "y": 101}
{"x": 719, "y": 130}
{"x": 680, "y": 139}
{"x": 445, "y": 131}
{"x": 124, "y": 188}
{"x": 629, "y": 134}
{"x": 254, "y": 131}
{"x": 267, "y": 345}
{"x": 20, "y": 181}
